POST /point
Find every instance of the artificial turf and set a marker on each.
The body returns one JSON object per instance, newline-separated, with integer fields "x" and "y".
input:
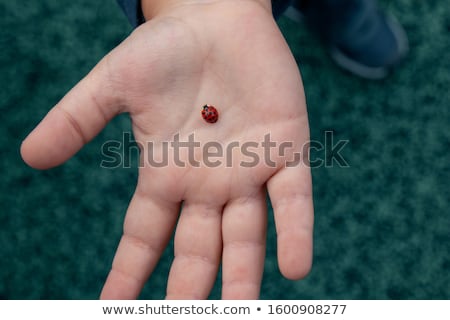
{"x": 382, "y": 226}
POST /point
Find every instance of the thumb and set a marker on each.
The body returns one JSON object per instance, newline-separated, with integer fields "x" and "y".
{"x": 74, "y": 121}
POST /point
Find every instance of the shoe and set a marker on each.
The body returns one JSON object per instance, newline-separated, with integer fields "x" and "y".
{"x": 361, "y": 39}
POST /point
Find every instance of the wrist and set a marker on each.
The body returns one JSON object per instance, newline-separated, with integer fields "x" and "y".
{"x": 152, "y": 8}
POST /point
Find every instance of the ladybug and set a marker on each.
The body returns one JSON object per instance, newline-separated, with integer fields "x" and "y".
{"x": 210, "y": 114}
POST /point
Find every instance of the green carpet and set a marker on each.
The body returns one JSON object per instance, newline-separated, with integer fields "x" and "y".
{"x": 382, "y": 225}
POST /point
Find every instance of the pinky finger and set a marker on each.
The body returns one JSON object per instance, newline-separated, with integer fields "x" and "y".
{"x": 290, "y": 192}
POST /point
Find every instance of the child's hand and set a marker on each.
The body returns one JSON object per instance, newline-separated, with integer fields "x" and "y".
{"x": 229, "y": 54}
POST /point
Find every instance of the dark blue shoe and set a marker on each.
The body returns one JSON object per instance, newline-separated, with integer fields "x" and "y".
{"x": 361, "y": 38}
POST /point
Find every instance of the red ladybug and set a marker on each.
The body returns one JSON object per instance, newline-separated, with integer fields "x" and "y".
{"x": 210, "y": 114}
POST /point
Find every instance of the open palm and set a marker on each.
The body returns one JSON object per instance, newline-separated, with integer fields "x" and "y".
{"x": 230, "y": 55}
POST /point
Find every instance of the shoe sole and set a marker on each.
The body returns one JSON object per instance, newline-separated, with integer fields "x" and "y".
{"x": 374, "y": 73}
{"x": 294, "y": 14}
{"x": 352, "y": 66}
